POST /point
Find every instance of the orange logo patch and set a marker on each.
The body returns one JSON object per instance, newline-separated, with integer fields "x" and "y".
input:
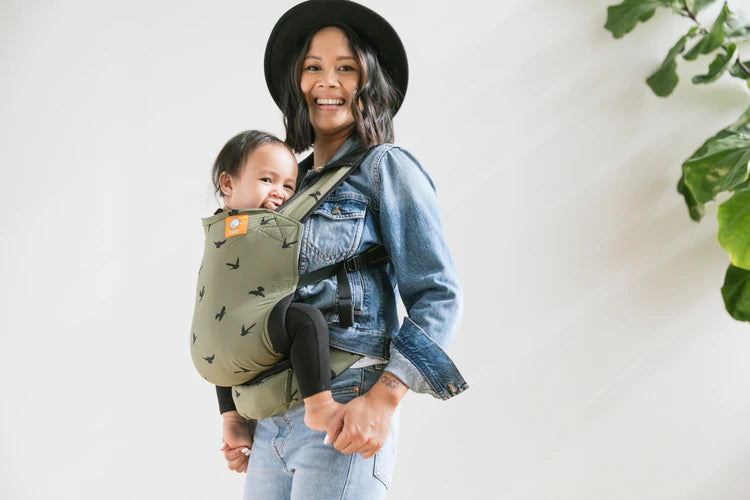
{"x": 236, "y": 224}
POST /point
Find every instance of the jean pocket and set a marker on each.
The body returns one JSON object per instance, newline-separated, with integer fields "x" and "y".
{"x": 334, "y": 230}
{"x": 385, "y": 459}
{"x": 383, "y": 463}
{"x": 347, "y": 386}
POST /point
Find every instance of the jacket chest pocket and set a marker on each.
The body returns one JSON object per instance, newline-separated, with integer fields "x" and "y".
{"x": 334, "y": 230}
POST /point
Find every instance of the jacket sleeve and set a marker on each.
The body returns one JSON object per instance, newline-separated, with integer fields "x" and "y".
{"x": 425, "y": 275}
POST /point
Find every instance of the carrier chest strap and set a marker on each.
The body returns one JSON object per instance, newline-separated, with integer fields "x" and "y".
{"x": 372, "y": 257}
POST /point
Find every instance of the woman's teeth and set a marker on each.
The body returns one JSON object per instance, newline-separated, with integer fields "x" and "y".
{"x": 329, "y": 102}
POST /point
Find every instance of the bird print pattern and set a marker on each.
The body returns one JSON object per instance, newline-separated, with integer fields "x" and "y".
{"x": 245, "y": 331}
{"x": 220, "y": 314}
{"x": 230, "y": 262}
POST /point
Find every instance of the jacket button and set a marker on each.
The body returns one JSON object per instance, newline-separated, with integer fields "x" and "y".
{"x": 355, "y": 390}
{"x": 452, "y": 388}
{"x": 336, "y": 210}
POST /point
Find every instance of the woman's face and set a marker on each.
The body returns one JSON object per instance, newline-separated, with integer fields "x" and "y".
{"x": 330, "y": 77}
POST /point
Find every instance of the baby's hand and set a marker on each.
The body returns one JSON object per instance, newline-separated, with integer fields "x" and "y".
{"x": 237, "y": 440}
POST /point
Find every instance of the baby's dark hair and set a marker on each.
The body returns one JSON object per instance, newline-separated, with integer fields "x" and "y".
{"x": 234, "y": 153}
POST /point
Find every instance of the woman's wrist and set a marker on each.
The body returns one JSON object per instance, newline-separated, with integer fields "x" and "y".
{"x": 388, "y": 391}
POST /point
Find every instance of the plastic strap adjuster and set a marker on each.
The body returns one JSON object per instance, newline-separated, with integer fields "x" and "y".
{"x": 353, "y": 264}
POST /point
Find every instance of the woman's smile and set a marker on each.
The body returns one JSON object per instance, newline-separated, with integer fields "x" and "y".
{"x": 330, "y": 77}
{"x": 329, "y": 102}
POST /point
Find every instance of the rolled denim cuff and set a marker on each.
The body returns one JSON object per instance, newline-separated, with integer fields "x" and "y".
{"x": 421, "y": 364}
{"x": 402, "y": 369}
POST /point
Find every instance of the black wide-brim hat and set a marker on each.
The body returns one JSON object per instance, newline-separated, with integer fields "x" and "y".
{"x": 293, "y": 28}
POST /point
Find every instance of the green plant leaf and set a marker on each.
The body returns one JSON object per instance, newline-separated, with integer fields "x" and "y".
{"x": 744, "y": 185}
{"x": 742, "y": 125}
{"x": 738, "y": 71}
{"x": 736, "y": 293}
{"x": 720, "y": 163}
{"x": 700, "y": 5}
{"x": 623, "y": 17}
{"x": 694, "y": 6}
{"x": 734, "y": 222}
{"x": 665, "y": 79}
{"x": 737, "y": 28}
{"x": 688, "y": 7}
{"x": 718, "y": 166}
{"x": 713, "y": 39}
{"x": 695, "y": 209}
{"x": 719, "y": 65}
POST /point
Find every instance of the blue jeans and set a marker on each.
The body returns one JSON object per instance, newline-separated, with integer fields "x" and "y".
{"x": 290, "y": 461}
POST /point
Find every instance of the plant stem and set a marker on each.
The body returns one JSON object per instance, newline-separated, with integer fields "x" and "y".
{"x": 743, "y": 66}
{"x": 703, "y": 30}
{"x": 691, "y": 14}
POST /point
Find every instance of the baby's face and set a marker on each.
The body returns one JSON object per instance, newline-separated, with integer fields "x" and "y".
{"x": 266, "y": 180}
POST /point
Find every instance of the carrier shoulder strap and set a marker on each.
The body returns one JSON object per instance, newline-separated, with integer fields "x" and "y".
{"x": 307, "y": 200}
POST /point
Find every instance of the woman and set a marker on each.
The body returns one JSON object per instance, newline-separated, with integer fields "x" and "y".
{"x": 338, "y": 72}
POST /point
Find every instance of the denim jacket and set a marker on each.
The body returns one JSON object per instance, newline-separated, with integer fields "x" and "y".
{"x": 389, "y": 200}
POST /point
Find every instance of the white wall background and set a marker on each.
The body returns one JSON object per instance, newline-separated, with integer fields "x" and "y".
{"x": 601, "y": 361}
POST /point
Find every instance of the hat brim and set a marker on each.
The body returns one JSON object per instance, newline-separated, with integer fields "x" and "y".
{"x": 293, "y": 28}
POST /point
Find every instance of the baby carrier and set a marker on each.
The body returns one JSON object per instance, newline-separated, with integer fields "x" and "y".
{"x": 247, "y": 278}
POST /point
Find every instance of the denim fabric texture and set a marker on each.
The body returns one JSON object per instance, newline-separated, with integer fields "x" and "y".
{"x": 389, "y": 200}
{"x": 290, "y": 461}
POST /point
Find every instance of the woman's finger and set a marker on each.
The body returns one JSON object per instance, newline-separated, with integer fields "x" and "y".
{"x": 366, "y": 446}
{"x": 234, "y": 453}
{"x": 345, "y": 444}
{"x": 335, "y": 426}
{"x": 238, "y": 463}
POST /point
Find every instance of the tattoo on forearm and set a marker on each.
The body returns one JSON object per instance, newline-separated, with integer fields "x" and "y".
{"x": 390, "y": 382}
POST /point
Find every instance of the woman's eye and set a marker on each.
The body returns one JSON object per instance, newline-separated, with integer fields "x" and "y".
{"x": 346, "y": 67}
{"x": 312, "y": 67}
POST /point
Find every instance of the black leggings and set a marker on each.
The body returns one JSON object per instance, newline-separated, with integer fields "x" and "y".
{"x": 306, "y": 342}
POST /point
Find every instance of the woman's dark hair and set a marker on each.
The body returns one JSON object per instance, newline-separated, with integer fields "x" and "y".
{"x": 377, "y": 93}
{"x": 232, "y": 156}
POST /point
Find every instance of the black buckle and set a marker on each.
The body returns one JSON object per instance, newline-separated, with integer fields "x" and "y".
{"x": 353, "y": 264}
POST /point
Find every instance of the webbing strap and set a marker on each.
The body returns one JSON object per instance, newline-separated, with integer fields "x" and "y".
{"x": 307, "y": 200}
{"x": 372, "y": 257}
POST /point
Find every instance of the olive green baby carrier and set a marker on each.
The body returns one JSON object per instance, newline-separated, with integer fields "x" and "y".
{"x": 247, "y": 278}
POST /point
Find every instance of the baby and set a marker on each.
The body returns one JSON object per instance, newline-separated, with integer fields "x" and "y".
{"x": 257, "y": 170}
